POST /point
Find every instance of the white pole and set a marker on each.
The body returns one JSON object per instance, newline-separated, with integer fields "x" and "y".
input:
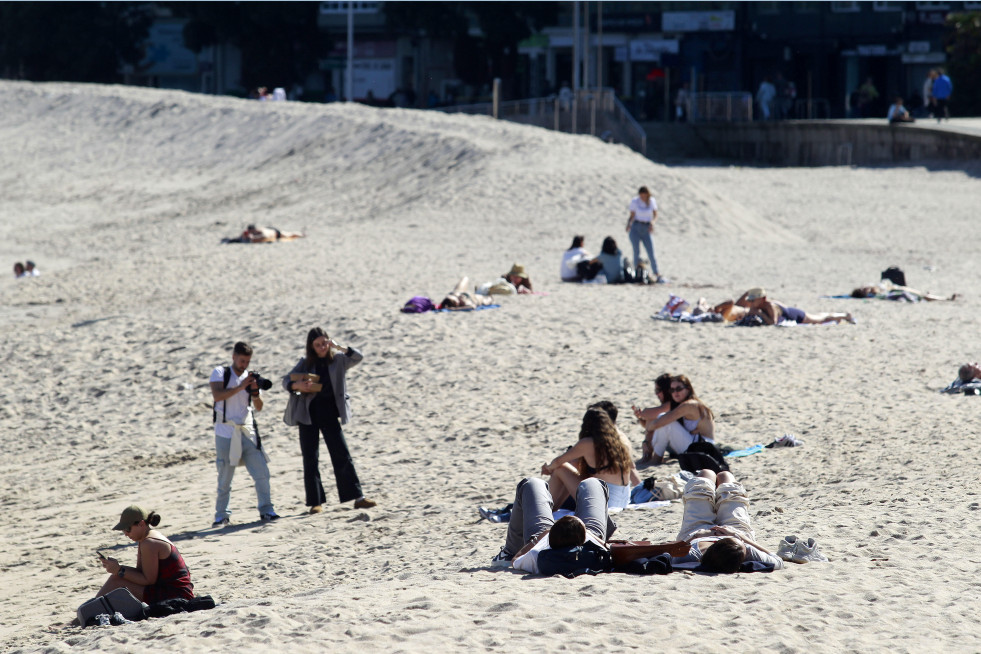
{"x": 349, "y": 81}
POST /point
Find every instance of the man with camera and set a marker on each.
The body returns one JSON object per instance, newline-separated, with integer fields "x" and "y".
{"x": 236, "y": 392}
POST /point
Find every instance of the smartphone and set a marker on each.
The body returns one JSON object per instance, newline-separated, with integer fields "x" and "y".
{"x": 101, "y": 555}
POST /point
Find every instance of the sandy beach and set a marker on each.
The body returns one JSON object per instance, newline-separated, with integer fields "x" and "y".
{"x": 122, "y": 196}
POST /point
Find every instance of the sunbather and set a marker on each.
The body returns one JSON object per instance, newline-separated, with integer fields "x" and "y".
{"x": 689, "y": 420}
{"x": 969, "y": 372}
{"x": 717, "y": 525}
{"x": 601, "y": 452}
{"x": 887, "y": 290}
{"x": 460, "y": 298}
{"x": 258, "y": 234}
{"x": 532, "y": 528}
{"x": 518, "y": 278}
{"x": 772, "y": 312}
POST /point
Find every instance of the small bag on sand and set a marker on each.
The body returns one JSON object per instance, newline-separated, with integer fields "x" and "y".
{"x": 117, "y": 601}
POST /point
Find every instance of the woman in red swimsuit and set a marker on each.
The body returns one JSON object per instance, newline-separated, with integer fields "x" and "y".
{"x": 160, "y": 572}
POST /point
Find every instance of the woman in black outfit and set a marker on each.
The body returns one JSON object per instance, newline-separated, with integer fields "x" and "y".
{"x": 324, "y": 411}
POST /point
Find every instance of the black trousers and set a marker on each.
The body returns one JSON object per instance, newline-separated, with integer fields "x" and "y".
{"x": 348, "y": 484}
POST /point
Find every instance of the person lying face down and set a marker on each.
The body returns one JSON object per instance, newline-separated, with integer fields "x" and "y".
{"x": 772, "y": 312}
{"x": 717, "y": 526}
{"x": 969, "y": 372}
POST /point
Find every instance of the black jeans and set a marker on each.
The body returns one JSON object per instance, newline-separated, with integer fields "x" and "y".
{"x": 348, "y": 484}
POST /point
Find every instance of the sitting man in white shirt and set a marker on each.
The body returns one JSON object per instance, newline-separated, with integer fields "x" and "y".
{"x": 532, "y": 528}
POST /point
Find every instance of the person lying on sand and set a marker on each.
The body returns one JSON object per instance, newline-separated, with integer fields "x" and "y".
{"x": 532, "y": 528}
{"x": 886, "y": 290}
{"x": 601, "y": 452}
{"x": 969, "y": 372}
{"x": 772, "y": 312}
{"x": 257, "y": 234}
{"x": 460, "y": 298}
{"x": 717, "y": 525}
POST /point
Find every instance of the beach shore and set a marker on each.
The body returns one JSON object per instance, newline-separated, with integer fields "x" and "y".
{"x": 122, "y": 196}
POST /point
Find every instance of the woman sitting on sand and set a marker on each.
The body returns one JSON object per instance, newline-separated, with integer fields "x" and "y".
{"x": 160, "y": 572}
{"x": 614, "y": 262}
{"x": 647, "y": 416}
{"x": 688, "y": 421}
{"x": 601, "y": 452}
{"x": 577, "y": 263}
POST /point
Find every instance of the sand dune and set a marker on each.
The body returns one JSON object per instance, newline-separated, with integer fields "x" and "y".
{"x": 122, "y": 196}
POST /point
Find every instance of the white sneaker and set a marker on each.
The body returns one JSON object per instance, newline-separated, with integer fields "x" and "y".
{"x": 805, "y": 551}
{"x": 786, "y": 548}
{"x": 502, "y": 559}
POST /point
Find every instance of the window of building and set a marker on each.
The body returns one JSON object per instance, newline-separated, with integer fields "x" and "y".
{"x": 341, "y": 7}
{"x": 845, "y": 7}
{"x": 888, "y": 5}
{"x": 768, "y": 8}
{"x": 973, "y": 6}
{"x": 807, "y": 7}
{"x": 932, "y": 6}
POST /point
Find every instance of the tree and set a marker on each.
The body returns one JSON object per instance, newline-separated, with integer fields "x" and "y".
{"x": 490, "y": 52}
{"x": 281, "y": 43}
{"x": 964, "y": 48}
{"x": 71, "y": 41}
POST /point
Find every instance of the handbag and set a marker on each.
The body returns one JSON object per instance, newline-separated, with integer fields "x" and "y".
{"x": 289, "y": 416}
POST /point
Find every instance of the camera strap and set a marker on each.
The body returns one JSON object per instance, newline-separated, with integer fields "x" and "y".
{"x": 227, "y": 375}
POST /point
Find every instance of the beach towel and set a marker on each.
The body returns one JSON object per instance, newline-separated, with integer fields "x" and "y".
{"x": 486, "y": 306}
{"x": 753, "y": 449}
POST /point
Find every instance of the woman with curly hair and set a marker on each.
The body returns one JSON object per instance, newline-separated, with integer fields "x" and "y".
{"x": 602, "y": 452}
{"x": 689, "y": 420}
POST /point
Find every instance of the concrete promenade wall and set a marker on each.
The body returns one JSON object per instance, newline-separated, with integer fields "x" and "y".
{"x": 835, "y": 143}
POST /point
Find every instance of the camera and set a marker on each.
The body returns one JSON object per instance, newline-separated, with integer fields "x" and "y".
{"x": 261, "y": 382}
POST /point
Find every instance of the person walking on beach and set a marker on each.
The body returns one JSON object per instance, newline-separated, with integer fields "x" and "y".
{"x": 237, "y": 396}
{"x": 322, "y": 407}
{"x": 640, "y": 227}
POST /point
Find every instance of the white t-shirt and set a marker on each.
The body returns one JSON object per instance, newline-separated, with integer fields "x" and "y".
{"x": 569, "y": 260}
{"x": 528, "y": 562}
{"x": 643, "y": 213}
{"x": 239, "y": 409}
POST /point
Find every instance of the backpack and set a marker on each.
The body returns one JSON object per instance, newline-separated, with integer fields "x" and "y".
{"x": 117, "y": 601}
{"x": 418, "y": 304}
{"x": 227, "y": 375}
{"x": 702, "y": 455}
{"x": 895, "y": 275}
{"x": 588, "y": 558}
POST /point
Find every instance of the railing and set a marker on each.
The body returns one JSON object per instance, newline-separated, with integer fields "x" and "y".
{"x": 811, "y": 109}
{"x": 720, "y": 107}
{"x": 590, "y": 111}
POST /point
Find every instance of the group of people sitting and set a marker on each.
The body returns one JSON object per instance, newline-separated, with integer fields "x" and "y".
{"x": 26, "y": 269}
{"x": 596, "y": 475}
{"x": 611, "y": 265}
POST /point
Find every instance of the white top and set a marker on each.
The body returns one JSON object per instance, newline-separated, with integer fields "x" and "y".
{"x": 528, "y": 562}
{"x": 239, "y": 410}
{"x": 895, "y": 111}
{"x": 569, "y": 260}
{"x": 643, "y": 213}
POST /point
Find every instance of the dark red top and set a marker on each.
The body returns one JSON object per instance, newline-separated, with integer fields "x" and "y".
{"x": 173, "y": 580}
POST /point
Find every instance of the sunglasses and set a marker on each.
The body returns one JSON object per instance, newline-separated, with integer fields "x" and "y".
{"x": 678, "y": 389}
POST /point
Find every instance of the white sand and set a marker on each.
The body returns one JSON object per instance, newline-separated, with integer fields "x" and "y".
{"x": 122, "y": 195}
